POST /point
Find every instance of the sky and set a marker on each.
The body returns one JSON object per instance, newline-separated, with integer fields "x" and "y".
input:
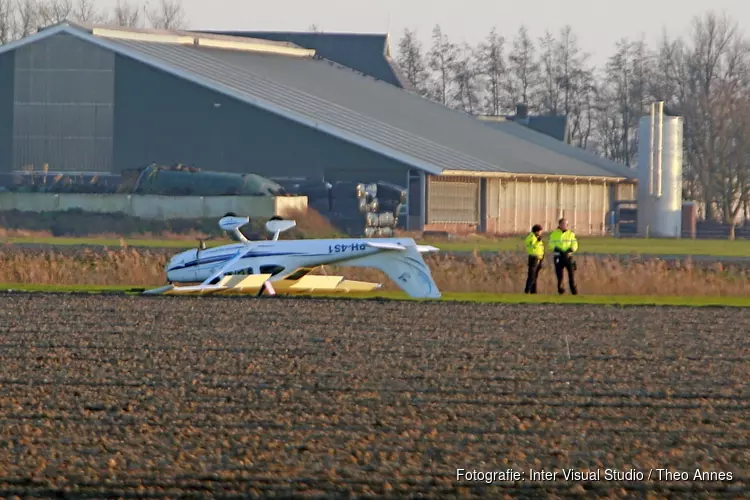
{"x": 597, "y": 24}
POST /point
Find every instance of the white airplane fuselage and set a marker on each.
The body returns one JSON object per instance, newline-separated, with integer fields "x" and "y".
{"x": 282, "y": 258}
{"x": 399, "y": 258}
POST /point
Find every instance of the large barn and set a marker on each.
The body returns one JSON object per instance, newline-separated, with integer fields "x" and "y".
{"x": 106, "y": 99}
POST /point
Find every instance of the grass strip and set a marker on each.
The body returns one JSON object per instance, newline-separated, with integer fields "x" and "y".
{"x": 486, "y": 298}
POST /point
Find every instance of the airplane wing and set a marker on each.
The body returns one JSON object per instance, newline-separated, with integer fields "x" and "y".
{"x": 386, "y": 246}
{"x": 401, "y": 248}
{"x": 427, "y": 248}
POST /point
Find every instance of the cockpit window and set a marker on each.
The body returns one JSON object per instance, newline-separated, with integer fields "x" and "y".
{"x": 241, "y": 272}
{"x": 298, "y": 273}
{"x": 273, "y": 270}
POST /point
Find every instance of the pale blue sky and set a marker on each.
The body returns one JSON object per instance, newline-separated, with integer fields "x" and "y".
{"x": 598, "y": 24}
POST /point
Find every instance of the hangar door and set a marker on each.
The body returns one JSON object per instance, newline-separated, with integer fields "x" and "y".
{"x": 453, "y": 200}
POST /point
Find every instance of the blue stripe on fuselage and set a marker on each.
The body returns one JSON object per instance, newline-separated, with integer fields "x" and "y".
{"x": 224, "y": 258}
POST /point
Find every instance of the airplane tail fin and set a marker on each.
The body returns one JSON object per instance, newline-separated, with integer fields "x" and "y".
{"x": 404, "y": 265}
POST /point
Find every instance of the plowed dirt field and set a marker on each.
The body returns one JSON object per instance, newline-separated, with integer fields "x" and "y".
{"x": 162, "y": 397}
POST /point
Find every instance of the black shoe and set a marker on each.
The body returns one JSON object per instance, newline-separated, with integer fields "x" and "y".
{"x": 574, "y": 291}
{"x": 561, "y": 291}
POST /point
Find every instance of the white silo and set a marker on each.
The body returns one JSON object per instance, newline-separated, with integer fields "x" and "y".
{"x": 645, "y": 221}
{"x": 660, "y": 174}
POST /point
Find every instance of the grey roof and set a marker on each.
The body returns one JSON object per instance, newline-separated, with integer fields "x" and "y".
{"x": 366, "y": 53}
{"x": 362, "y": 110}
{"x": 547, "y": 141}
{"x": 553, "y": 126}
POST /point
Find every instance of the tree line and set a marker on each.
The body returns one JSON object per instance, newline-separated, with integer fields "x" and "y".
{"x": 20, "y": 18}
{"x": 703, "y": 77}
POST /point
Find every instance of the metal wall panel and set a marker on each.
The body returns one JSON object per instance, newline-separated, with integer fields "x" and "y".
{"x": 6, "y": 110}
{"x": 494, "y": 188}
{"x": 625, "y": 191}
{"x": 453, "y": 200}
{"x": 164, "y": 119}
{"x": 552, "y": 205}
{"x": 538, "y": 202}
{"x": 522, "y": 192}
{"x": 568, "y": 202}
{"x": 583, "y": 208}
{"x": 515, "y": 206}
{"x": 600, "y": 207}
{"x": 64, "y": 106}
{"x": 414, "y": 209}
{"x": 508, "y": 212}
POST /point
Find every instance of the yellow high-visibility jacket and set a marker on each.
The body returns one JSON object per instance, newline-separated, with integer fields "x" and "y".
{"x": 534, "y": 246}
{"x": 563, "y": 241}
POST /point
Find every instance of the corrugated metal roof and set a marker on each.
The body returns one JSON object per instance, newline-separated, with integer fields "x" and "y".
{"x": 553, "y": 126}
{"x": 547, "y": 141}
{"x": 90, "y": 28}
{"x": 362, "y": 110}
{"x": 364, "y": 52}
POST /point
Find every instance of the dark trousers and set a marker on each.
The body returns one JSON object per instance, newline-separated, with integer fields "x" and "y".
{"x": 564, "y": 262}
{"x": 535, "y": 265}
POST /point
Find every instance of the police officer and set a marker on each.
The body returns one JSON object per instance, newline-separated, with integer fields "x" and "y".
{"x": 535, "y": 249}
{"x": 563, "y": 243}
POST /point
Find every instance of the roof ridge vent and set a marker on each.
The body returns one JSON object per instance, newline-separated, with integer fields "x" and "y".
{"x": 249, "y": 45}
{"x": 196, "y": 40}
{"x": 142, "y": 36}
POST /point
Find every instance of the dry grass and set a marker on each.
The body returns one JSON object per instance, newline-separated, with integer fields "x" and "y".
{"x": 312, "y": 223}
{"x": 191, "y": 235}
{"x": 112, "y": 267}
{"x": 501, "y": 274}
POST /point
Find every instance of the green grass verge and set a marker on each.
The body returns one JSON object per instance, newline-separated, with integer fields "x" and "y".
{"x": 487, "y": 298}
{"x": 25, "y": 287}
{"x": 588, "y": 245}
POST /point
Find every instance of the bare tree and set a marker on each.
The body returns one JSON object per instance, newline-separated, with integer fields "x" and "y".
{"x": 28, "y": 18}
{"x": 666, "y": 74}
{"x": 85, "y": 11}
{"x": 492, "y": 66}
{"x": 642, "y": 59}
{"x": 314, "y": 28}
{"x": 127, "y": 15}
{"x": 168, "y": 15}
{"x": 411, "y": 60}
{"x": 571, "y": 65}
{"x": 713, "y": 69}
{"x": 549, "y": 89}
{"x": 54, "y": 11}
{"x": 466, "y": 91}
{"x": 732, "y": 181}
{"x": 618, "y": 78}
{"x": 442, "y": 58}
{"x": 567, "y": 83}
{"x": 576, "y": 83}
{"x": 607, "y": 132}
{"x": 562, "y": 62}
{"x": 581, "y": 88}
{"x": 7, "y": 21}
{"x": 522, "y": 69}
